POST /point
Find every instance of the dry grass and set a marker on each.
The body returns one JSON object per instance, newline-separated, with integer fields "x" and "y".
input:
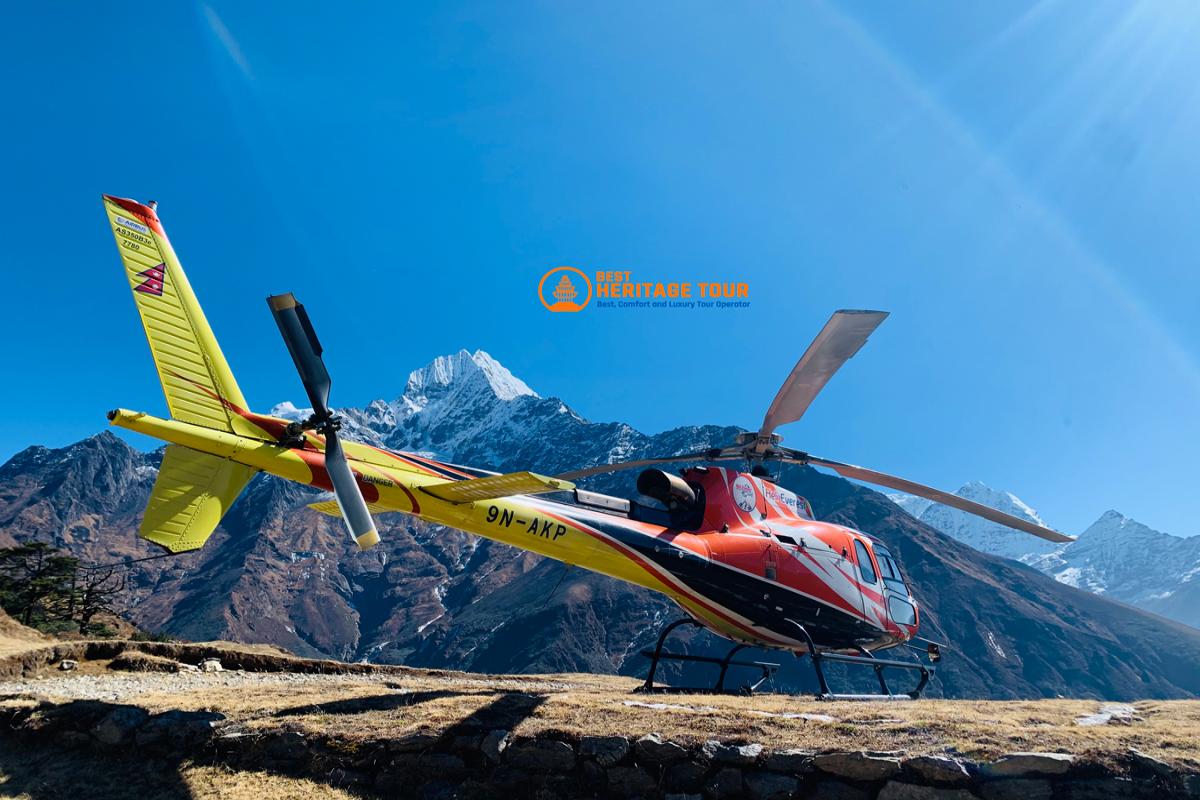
{"x": 28, "y": 774}
{"x": 357, "y": 709}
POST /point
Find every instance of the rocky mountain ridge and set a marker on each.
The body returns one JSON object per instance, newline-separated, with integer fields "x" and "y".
{"x": 1116, "y": 556}
{"x": 277, "y": 573}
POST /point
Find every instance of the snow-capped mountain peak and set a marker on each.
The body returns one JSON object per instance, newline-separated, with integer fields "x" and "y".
{"x": 462, "y": 372}
{"x": 979, "y": 533}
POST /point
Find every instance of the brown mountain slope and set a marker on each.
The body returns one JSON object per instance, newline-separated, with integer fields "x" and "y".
{"x": 277, "y": 573}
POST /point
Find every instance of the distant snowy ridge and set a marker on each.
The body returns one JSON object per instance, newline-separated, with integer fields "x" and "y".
{"x": 1116, "y": 556}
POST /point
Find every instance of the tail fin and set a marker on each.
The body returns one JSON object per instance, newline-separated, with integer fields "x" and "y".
{"x": 193, "y": 490}
{"x": 191, "y": 495}
{"x": 195, "y": 377}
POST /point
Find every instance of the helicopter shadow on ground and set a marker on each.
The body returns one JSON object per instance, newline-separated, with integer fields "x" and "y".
{"x": 57, "y": 767}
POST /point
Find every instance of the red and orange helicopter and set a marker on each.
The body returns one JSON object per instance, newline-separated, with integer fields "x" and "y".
{"x": 741, "y": 555}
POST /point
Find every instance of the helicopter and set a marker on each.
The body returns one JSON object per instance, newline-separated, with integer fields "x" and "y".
{"x": 742, "y": 556}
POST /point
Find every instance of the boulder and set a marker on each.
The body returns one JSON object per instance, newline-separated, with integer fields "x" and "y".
{"x": 607, "y": 751}
{"x": 68, "y": 664}
{"x": 836, "y": 790}
{"x": 939, "y": 769}
{"x": 179, "y": 728}
{"x": 1149, "y": 765}
{"x": 655, "y": 749}
{"x": 413, "y": 743}
{"x": 1111, "y": 788}
{"x": 493, "y": 745}
{"x": 1017, "y": 789}
{"x": 541, "y": 755}
{"x": 857, "y": 766}
{"x": 792, "y": 761}
{"x": 743, "y": 755}
{"x": 895, "y": 790}
{"x": 120, "y": 725}
{"x": 686, "y": 776}
{"x": 629, "y": 781}
{"x": 288, "y": 746}
{"x": 211, "y": 665}
{"x": 1026, "y": 765}
{"x": 726, "y": 783}
{"x": 770, "y": 785}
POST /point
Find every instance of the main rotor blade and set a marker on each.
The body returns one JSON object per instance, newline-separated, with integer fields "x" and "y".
{"x": 305, "y": 348}
{"x": 713, "y": 454}
{"x": 349, "y": 497}
{"x": 929, "y": 493}
{"x": 838, "y": 341}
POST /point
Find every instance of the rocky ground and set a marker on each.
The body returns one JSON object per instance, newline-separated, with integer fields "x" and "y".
{"x": 266, "y": 724}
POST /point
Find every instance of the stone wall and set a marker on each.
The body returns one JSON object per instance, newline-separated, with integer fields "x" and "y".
{"x": 495, "y": 764}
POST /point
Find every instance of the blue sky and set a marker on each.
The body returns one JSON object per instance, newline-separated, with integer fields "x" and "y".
{"x": 1017, "y": 183}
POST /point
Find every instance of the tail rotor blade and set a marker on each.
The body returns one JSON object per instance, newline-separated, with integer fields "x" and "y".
{"x": 349, "y": 496}
{"x": 302, "y": 343}
{"x": 305, "y": 348}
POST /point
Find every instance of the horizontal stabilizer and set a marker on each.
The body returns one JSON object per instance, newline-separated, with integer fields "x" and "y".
{"x": 493, "y": 486}
{"x": 331, "y": 508}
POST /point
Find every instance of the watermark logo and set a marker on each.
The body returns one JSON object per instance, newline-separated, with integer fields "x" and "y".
{"x": 570, "y": 289}
{"x": 565, "y": 289}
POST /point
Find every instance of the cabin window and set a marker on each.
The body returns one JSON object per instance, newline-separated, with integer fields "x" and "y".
{"x": 902, "y": 611}
{"x": 864, "y": 562}
{"x": 890, "y": 569}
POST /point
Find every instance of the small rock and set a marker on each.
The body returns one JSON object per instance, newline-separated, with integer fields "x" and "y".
{"x": 493, "y": 745}
{"x": 770, "y": 785}
{"x": 347, "y": 777}
{"x": 413, "y": 743}
{"x": 739, "y": 755}
{"x": 1149, "y": 764}
{"x": 857, "y": 766}
{"x": 894, "y": 790}
{"x": 211, "y": 665}
{"x": 939, "y": 769}
{"x": 441, "y": 763}
{"x": 686, "y": 776}
{"x": 1024, "y": 765}
{"x": 791, "y": 761}
{"x": 836, "y": 790}
{"x": 726, "y": 783}
{"x": 288, "y": 746}
{"x": 629, "y": 781}
{"x": 120, "y": 725}
{"x": 607, "y": 751}
{"x": 541, "y": 755}
{"x": 592, "y": 778}
{"x": 467, "y": 743}
{"x": 1017, "y": 789}
{"x": 1112, "y": 788}
{"x": 67, "y": 664}
{"x": 653, "y": 748}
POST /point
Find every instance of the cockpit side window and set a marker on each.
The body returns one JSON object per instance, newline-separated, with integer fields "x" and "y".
{"x": 864, "y": 562}
{"x": 890, "y": 569}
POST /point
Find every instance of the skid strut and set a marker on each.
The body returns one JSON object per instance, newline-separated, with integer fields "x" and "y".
{"x": 658, "y": 654}
{"x": 867, "y": 659}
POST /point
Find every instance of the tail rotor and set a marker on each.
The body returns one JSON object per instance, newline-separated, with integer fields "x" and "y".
{"x": 305, "y": 348}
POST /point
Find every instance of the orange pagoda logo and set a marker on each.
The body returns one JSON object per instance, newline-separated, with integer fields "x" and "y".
{"x": 561, "y": 293}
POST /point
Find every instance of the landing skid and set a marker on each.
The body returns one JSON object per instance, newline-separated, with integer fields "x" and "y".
{"x": 867, "y": 659}
{"x": 767, "y": 669}
{"x": 658, "y": 654}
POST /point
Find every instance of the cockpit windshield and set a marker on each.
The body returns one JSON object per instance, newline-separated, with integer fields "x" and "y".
{"x": 889, "y": 569}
